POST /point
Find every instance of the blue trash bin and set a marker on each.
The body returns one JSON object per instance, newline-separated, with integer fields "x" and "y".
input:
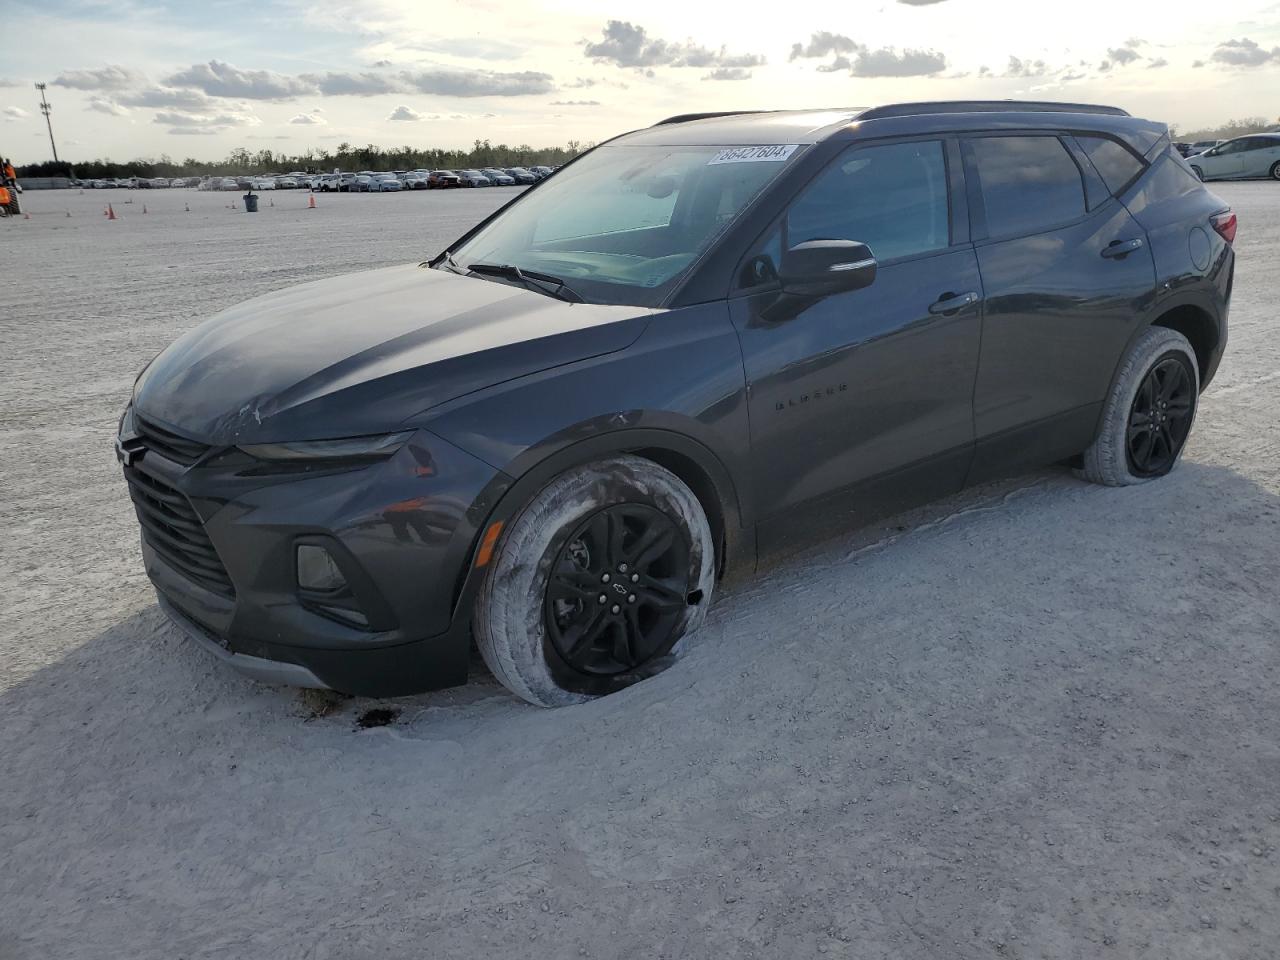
{"x": 250, "y": 203}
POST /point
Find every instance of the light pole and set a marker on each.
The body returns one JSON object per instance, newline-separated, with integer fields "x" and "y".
{"x": 45, "y": 109}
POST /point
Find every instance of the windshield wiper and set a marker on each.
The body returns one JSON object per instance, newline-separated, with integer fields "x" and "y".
{"x": 532, "y": 280}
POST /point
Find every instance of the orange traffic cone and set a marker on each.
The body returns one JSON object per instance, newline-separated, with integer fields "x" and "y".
{"x": 188, "y": 207}
{"x": 104, "y": 211}
{"x": 111, "y": 214}
{"x": 26, "y": 215}
{"x": 312, "y": 204}
{"x": 68, "y": 213}
{"x": 144, "y": 208}
{"x": 270, "y": 202}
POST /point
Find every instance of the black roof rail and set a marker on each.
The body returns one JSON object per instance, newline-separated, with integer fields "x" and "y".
{"x": 686, "y": 117}
{"x": 985, "y": 106}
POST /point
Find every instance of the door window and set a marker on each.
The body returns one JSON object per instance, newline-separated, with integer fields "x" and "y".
{"x": 1029, "y": 183}
{"x": 1115, "y": 164}
{"x": 892, "y": 197}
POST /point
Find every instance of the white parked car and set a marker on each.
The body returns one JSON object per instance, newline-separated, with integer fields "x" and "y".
{"x": 385, "y": 182}
{"x": 286, "y": 183}
{"x": 262, "y": 183}
{"x": 1257, "y": 155}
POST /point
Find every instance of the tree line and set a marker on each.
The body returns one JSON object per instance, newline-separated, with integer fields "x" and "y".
{"x": 1232, "y": 128}
{"x": 242, "y": 162}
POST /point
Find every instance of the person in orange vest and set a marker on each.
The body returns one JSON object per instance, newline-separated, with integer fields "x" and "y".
{"x": 9, "y": 188}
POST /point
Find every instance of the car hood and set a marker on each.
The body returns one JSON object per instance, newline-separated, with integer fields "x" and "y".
{"x": 362, "y": 353}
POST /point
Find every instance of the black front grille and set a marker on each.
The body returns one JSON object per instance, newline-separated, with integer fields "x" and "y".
{"x": 172, "y": 529}
{"x": 168, "y": 444}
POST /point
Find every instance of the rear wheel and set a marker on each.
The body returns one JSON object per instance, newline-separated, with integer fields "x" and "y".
{"x": 1275, "y": 170}
{"x": 1148, "y": 415}
{"x": 595, "y": 583}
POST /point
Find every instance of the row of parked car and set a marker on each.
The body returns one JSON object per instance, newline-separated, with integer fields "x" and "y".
{"x": 136, "y": 183}
{"x": 1240, "y": 158}
{"x": 366, "y": 181}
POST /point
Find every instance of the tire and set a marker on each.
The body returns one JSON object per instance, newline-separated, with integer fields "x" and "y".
{"x": 1275, "y": 170}
{"x": 1155, "y": 364}
{"x": 552, "y": 559}
{"x": 1198, "y": 172}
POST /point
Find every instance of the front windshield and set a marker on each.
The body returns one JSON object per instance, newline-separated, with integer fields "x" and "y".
{"x": 623, "y": 223}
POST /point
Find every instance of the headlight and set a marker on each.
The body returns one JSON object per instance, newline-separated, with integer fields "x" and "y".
{"x": 349, "y": 448}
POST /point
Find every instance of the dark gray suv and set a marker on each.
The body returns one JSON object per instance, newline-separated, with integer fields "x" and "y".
{"x": 697, "y": 345}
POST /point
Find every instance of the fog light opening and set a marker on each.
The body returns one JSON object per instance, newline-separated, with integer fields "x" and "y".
{"x": 317, "y": 570}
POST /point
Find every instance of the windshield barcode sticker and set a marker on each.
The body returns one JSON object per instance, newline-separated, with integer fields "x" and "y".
{"x": 773, "y": 151}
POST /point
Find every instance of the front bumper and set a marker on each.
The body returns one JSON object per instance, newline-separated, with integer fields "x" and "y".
{"x": 402, "y": 531}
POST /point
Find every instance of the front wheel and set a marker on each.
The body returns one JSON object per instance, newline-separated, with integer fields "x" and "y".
{"x": 595, "y": 583}
{"x": 1275, "y": 170}
{"x": 1198, "y": 172}
{"x": 1148, "y": 414}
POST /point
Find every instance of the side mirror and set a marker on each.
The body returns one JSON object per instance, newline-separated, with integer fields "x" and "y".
{"x": 819, "y": 268}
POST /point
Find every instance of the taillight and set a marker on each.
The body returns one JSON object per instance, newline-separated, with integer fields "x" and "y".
{"x": 1225, "y": 224}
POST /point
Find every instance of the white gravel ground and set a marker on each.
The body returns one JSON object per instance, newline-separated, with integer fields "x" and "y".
{"x": 1036, "y": 721}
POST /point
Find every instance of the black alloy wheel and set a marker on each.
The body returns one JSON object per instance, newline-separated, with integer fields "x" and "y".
{"x": 1160, "y": 418}
{"x": 617, "y": 590}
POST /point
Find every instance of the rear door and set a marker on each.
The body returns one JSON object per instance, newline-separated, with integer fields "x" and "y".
{"x": 1067, "y": 274}
{"x": 1259, "y": 155}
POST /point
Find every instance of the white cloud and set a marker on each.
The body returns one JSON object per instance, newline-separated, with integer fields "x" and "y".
{"x": 15, "y": 113}
{"x": 353, "y": 84}
{"x": 478, "y": 83}
{"x": 192, "y": 101}
{"x": 109, "y": 107}
{"x": 181, "y": 123}
{"x": 310, "y": 119}
{"x": 865, "y": 61}
{"x": 403, "y": 113}
{"x": 220, "y": 79}
{"x": 1244, "y": 53}
{"x": 626, "y": 45}
{"x": 110, "y": 77}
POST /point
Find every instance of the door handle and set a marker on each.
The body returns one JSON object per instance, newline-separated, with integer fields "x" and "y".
{"x": 1118, "y": 249}
{"x": 951, "y": 302}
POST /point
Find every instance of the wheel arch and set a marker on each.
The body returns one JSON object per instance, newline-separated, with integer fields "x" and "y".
{"x": 692, "y": 461}
{"x": 1201, "y": 330}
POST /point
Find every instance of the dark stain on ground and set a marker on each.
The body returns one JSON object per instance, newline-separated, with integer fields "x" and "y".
{"x": 377, "y": 717}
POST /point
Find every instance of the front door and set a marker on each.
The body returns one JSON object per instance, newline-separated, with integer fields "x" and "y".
{"x": 847, "y": 393}
{"x": 1225, "y": 161}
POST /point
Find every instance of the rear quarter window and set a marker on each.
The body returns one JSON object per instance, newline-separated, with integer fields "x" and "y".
{"x": 1029, "y": 183}
{"x": 1115, "y": 164}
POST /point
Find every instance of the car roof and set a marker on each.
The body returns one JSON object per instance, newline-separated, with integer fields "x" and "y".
{"x": 814, "y": 126}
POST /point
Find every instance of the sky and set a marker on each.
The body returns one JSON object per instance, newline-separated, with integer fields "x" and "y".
{"x": 136, "y": 79}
